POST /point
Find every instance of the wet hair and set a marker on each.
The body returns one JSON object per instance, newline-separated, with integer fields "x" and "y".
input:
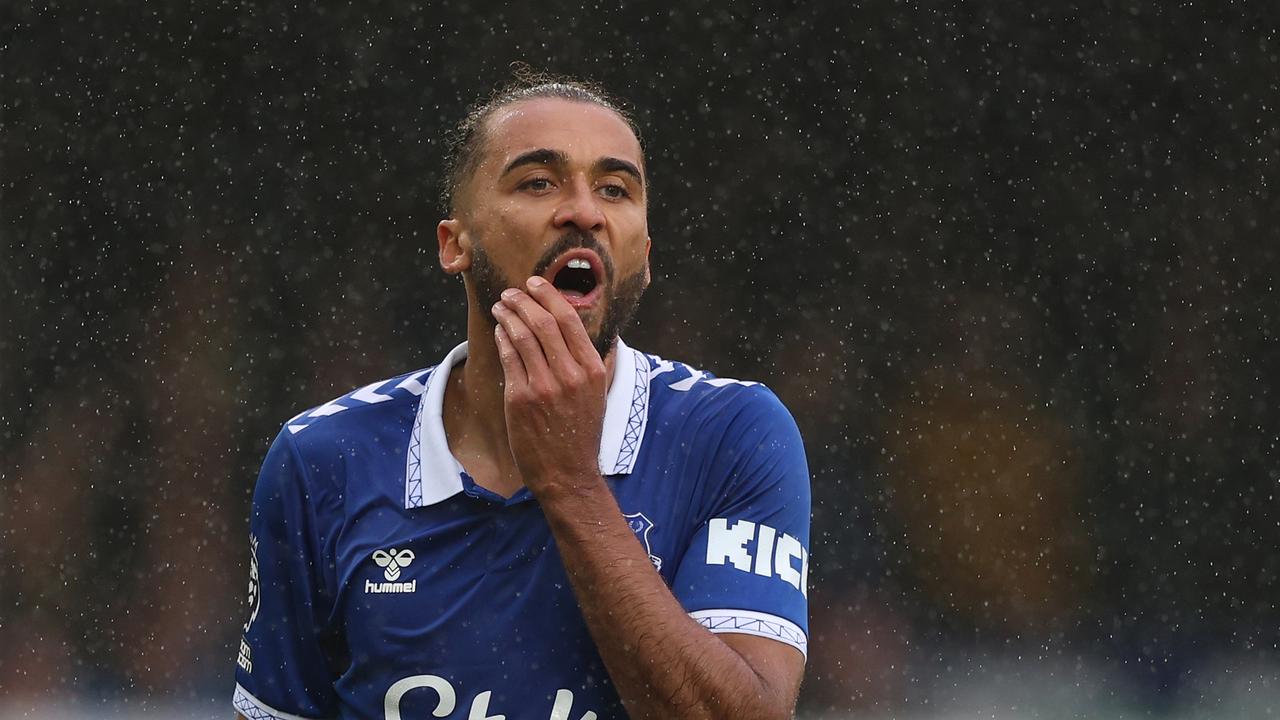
{"x": 464, "y": 145}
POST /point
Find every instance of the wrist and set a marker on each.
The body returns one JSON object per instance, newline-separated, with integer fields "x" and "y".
{"x": 566, "y": 486}
{"x": 574, "y": 497}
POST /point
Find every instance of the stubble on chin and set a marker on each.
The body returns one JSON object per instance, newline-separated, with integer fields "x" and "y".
{"x": 623, "y": 299}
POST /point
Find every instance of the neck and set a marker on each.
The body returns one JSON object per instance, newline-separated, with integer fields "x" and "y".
{"x": 473, "y": 411}
{"x": 482, "y": 379}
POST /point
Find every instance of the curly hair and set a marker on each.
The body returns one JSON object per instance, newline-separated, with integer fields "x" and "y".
{"x": 464, "y": 144}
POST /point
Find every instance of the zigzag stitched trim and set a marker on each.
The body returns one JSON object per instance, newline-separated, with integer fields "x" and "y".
{"x": 413, "y": 468}
{"x": 636, "y": 418}
{"x": 254, "y": 709}
{"x": 753, "y": 623}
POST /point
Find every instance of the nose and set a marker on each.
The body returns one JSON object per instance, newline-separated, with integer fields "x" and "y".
{"x": 580, "y": 208}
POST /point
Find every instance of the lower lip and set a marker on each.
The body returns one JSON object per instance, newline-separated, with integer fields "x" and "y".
{"x": 579, "y": 302}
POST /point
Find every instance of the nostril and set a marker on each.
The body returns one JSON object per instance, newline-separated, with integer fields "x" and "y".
{"x": 583, "y": 214}
{"x": 579, "y": 220}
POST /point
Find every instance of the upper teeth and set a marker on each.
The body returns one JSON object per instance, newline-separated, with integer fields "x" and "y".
{"x": 580, "y": 264}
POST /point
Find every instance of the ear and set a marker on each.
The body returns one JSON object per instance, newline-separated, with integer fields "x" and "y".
{"x": 455, "y": 250}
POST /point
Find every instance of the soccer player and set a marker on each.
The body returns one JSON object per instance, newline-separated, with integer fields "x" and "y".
{"x": 547, "y": 524}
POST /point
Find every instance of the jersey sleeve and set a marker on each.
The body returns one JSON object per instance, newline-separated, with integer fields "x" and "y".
{"x": 282, "y": 668}
{"x": 748, "y": 563}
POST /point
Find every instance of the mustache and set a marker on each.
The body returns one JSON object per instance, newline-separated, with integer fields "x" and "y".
{"x": 573, "y": 239}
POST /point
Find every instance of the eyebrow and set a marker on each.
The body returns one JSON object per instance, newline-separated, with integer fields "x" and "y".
{"x": 541, "y": 156}
{"x": 613, "y": 164}
{"x": 548, "y": 156}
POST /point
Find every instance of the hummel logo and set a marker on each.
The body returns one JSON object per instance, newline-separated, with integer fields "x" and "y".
{"x": 392, "y": 560}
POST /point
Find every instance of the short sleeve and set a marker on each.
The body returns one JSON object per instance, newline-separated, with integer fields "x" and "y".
{"x": 282, "y": 670}
{"x": 746, "y": 570}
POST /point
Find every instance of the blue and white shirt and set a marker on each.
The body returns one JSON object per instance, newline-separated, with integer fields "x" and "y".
{"x": 385, "y": 583}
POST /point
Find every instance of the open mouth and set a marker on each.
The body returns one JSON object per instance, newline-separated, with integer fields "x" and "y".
{"x": 578, "y": 275}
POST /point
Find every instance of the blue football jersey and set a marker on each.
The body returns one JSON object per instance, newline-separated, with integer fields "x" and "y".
{"x": 384, "y": 583}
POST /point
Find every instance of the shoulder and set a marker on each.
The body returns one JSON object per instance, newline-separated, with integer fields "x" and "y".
{"x": 738, "y": 431}
{"x": 313, "y": 448}
{"x": 362, "y": 410}
{"x": 687, "y": 390}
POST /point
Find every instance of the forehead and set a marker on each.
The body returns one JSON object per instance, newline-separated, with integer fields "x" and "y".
{"x": 584, "y": 131}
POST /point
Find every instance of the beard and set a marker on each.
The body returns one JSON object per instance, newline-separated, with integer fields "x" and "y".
{"x": 621, "y": 295}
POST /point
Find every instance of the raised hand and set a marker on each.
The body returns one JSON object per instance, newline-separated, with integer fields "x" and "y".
{"x": 554, "y": 389}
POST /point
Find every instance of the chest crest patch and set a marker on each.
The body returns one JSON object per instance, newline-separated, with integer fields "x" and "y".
{"x": 641, "y": 525}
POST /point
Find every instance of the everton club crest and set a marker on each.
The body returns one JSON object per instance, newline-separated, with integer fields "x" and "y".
{"x": 641, "y": 525}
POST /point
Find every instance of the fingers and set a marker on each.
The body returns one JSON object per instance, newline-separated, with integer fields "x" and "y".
{"x": 573, "y": 333}
{"x": 512, "y": 365}
{"x": 523, "y": 344}
{"x": 546, "y": 329}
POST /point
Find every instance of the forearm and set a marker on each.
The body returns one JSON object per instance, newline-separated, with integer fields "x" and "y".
{"x": 663, "y": 663}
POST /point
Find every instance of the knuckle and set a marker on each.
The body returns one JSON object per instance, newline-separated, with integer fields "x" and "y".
{"x": 544, "y": 322}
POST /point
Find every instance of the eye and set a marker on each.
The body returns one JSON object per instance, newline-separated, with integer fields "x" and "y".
{"x": 615, "y": 192}
{"x": 537, "y": 184}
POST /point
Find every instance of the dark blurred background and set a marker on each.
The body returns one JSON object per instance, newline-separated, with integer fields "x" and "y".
{"x": 1012, "y": 267}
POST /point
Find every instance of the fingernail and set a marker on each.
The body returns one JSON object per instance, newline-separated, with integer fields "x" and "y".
{"x": 537, "y": 281}
{"x": 509, "y": 293}
{"x": 497, "y": 307}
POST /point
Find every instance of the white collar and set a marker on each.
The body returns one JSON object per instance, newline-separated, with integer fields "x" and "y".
{"x": 432, "y": 474}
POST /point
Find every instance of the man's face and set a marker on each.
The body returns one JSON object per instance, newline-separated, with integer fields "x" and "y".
{"x": 559, "y": 192}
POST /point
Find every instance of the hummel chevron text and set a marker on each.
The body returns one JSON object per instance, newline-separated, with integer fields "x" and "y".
{"x": 392, "y": 561}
